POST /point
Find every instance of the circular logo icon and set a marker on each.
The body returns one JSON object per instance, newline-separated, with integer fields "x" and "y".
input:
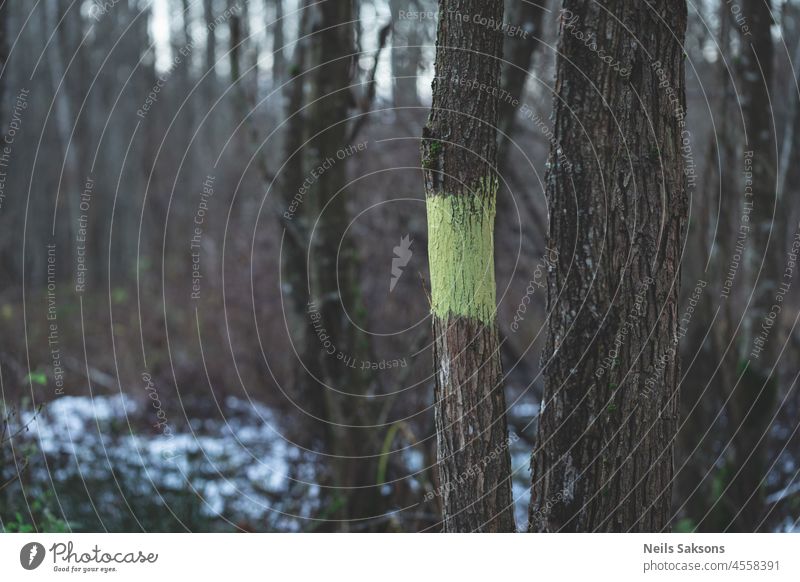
{"x": 31, "y": 555}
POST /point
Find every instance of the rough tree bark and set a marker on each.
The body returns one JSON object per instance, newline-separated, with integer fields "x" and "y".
{"x": 459, "y": 152}
{"x": 603, "y": 460}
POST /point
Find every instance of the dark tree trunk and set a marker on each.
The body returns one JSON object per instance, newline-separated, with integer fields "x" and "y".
{"x": 295, "y": 225}
{"x": 278, "y": 57}
{"x": 752, "y": 401}
{"x": 211, "y": 38}
{"x": 603, "y": 460}
{"x": 333, "y": 266}
{"x": 519, "y": 52}
{"x": 705, "y": 382}
{"x": 8, "y": 266}
{"x": 459, "y": 151}
{"x": 4, "y": 10}
{"x": 186, "y": 24}
{"x": 236, "y": 47}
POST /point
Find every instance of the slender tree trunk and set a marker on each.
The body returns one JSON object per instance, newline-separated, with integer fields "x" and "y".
{"x": 603, "y": 460}
{"x": 211, "y": 37}
{"x": 278, "y": 57}
{"x": 296, "y": 226}
{"x": 459, "y": 152}
{"x": 405, "y": 57}
{"x": 69, "y": 199}
{"x": 756, "y": 72}
{"x": 186, "y": 15}
{"x": 209, "y": 73}
{"x": 333, "y": 268}
{"x": 4, "y": 13}
{"x": 752, "y": 402}
{"x": 8, "y": 267}
{"x": 236, "y": 46}
{"x": 519, "y": 52}
{"x": 706, "y": 382}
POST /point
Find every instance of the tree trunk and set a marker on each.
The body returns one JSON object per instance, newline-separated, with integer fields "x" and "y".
{"x": 459, "y": 151}
{"x": 8, "y": 267}
{"x": 211, "y": 38}
{"x": 333, "y": 287}
{"x": 405, "y": 57}
{"x": 236, "y": 47}
{"x": 4, "y": 12}
{"x": 295, "y": 223}
{"x": 711, "y": 373}
{"x": 68, "y": 187}
{"x": 519, "y": 52}
{"x": 278, "y": 57}
{"x": 603, "y": 460}
{"x": 752, "y": 401}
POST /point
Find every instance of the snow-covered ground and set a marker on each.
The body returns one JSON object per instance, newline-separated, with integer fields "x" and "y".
{"x": 112, "y": 455}
{"x": 237, "y": 468}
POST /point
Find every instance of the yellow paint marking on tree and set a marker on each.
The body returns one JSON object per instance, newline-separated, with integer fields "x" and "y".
{"x": 461, "y": 254}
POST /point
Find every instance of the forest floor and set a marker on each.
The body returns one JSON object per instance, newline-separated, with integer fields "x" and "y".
{"x": 113, "y": 463}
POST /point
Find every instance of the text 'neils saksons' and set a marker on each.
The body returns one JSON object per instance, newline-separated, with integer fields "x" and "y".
{"x": 666, "y": 548}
